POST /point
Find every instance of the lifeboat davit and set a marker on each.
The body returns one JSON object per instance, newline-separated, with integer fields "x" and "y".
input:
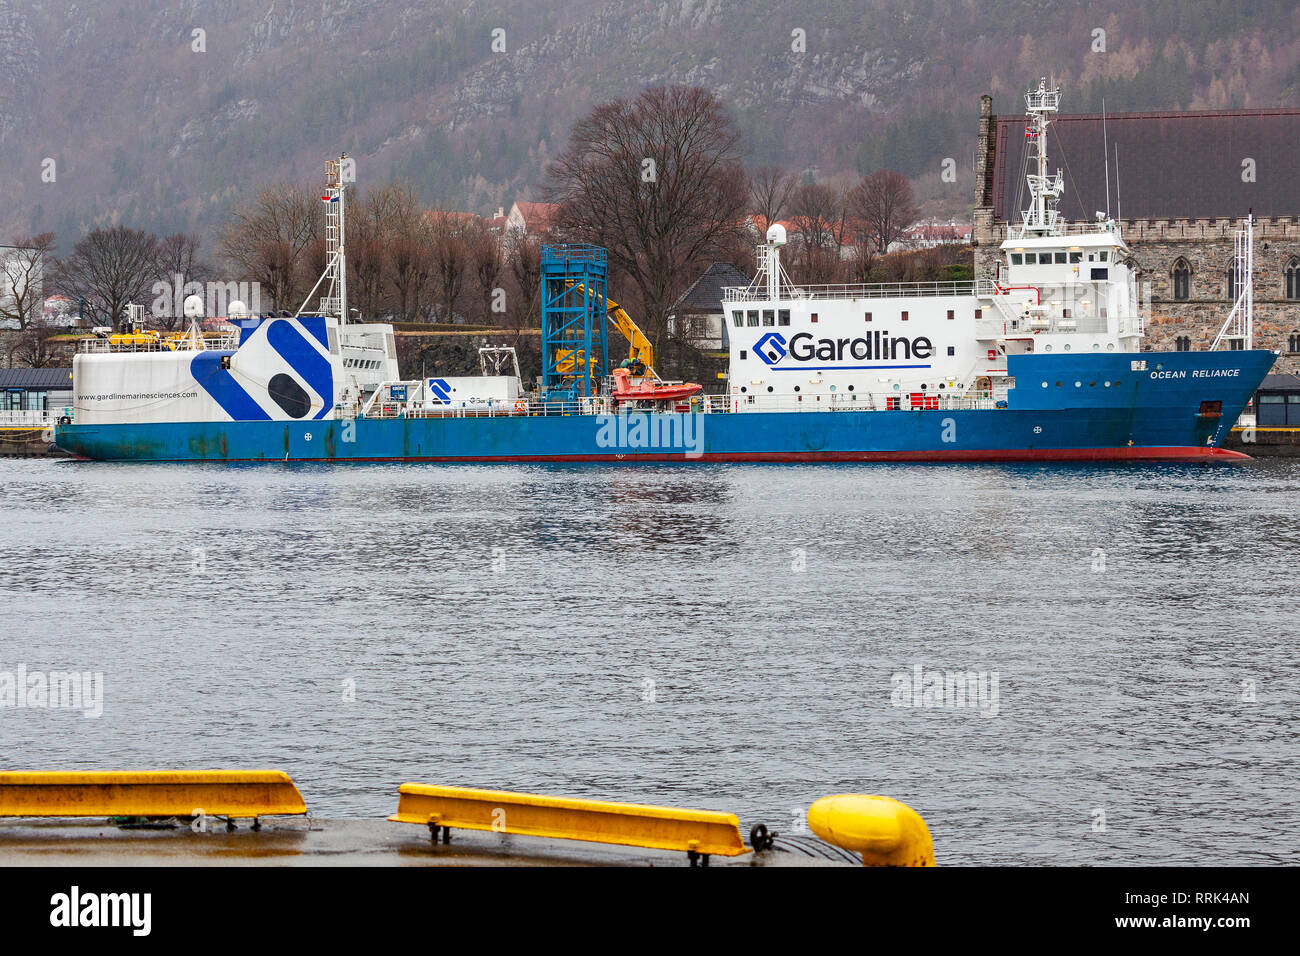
{"x": 648, "y": 391}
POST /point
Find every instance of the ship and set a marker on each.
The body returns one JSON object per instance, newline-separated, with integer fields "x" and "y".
{"x": 1041, "y": 362}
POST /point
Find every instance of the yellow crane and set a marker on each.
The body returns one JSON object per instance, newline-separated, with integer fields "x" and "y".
{"x": 639, "y": 347}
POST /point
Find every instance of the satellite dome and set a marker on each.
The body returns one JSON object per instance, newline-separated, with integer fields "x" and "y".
{"x": 193, "y": 306}
{"x": 776, "y": 234}
{"x": 236, "y": 308}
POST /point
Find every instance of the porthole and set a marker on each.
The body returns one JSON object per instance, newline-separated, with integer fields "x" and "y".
{"x": 1107, "y": 384}
{"x": 850, "y": 388}
{"x": 1067, "y": 348}
{"x": 744, "y": 389}
{"x": 1078, "y": 385}
{"x": 769, "y": 388}
{"x": 1110, "y": 346}
{"x": 1047, "y": 348}
{"x": 1044, "y": 385}
{"x": 796, "y": 388}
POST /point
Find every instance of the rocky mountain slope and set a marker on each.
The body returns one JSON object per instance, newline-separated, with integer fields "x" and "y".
{"x": 152, "y": 123}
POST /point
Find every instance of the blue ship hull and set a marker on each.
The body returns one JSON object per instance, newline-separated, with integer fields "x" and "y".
{"x": 1063, "y": 408}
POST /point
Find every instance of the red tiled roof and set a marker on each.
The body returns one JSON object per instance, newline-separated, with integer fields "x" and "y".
{"x": 1171, "y": 164}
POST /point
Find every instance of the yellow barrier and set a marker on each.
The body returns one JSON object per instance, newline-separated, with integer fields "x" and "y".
{"x": 699, "y": 833}
{"x": 884, "y": 831}
{"x": 161, "y": 793}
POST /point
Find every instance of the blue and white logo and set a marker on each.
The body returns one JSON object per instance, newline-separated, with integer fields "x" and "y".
{"x": 771, "y": 348}
{"x": 440, "y": 389}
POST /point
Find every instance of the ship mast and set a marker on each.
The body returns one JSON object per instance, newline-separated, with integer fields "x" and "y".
{"x": 334, "y": 301}
{"x": 1042, "y": 218}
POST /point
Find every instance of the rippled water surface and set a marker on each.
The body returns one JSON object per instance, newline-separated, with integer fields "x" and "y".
{"x": 644, "y": 634}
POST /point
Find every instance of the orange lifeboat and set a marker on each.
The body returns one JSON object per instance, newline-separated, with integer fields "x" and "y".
{"x": 648, "y": 391}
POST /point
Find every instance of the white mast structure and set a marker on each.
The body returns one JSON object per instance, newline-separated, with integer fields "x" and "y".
{"x": 334, "y": 301}
{"x": 1042, "y": 218}
{"x": 1240, "y": 323}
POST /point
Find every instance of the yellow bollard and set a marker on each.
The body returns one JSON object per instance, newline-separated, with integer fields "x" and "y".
{"x": 884, "y": 831}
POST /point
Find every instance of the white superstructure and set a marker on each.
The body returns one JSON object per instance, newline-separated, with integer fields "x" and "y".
{"x": 1060, "y": 288}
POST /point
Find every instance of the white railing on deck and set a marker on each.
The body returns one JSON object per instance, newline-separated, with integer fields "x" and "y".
{"x": 23, "y": 416}
{"x": 707, "y": 404}
{"x": 866, "y": 290}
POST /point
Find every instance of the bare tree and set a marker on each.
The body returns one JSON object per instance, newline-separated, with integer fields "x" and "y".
{"x": 272, "y": 241}
{"x": 885, "y": 203}
{"x": 486, "y": 262}
{"x": 33, "y": 346}
{"x": 525, "y": 255}
{"x": 657, "y": 181}
{"x": 24, "y": 274}
{"x": 816, "y": 214}
{"x": 450, "y": 260}
{"x": 107, "y": 270}
{"x": 178, "y": 264}
{"x": 770, "y": 189}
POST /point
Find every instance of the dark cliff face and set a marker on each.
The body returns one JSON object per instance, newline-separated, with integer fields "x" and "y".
{"x": 153, "y": 123}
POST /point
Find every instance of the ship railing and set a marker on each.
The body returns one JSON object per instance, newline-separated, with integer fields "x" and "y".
{"x": 703, "y": 404}
{"x": 864, "y": 290}
{"x": 32, "y": 416}
{"x": 859, "y": 402}
{"x": 224, "y": 343}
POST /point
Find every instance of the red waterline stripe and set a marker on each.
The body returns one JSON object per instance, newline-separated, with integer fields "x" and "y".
{"x": 1159, "y": 453}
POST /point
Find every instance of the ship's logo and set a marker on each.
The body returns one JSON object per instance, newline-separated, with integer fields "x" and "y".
{"x": 771, "y": 348}
{"x": 440, "y": 390}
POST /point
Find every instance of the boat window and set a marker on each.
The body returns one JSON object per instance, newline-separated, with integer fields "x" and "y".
{"x": 1076, "y": 257}
{"x": 905, "y": 316}
{"x": 979, "y": 313}
{"x": 1102, "y": 255}
{"x": 1016, "y": 258}
{"x": 769, "y": 317}
{"x": 814, "y": 316}
{"x": 783, "y": 317}
{"x": 1060, "y": 258}
{"x": 951, "y": 315}
{"x": 751, "y": 318}
{"x": 737, "y": 318}
{"x": 866, "y": 316}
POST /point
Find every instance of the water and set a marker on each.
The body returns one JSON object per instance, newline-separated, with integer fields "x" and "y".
{"x": 232, "y": 609}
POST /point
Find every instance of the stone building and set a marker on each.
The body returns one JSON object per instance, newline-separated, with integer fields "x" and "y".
{"x": 1180, "y": 185}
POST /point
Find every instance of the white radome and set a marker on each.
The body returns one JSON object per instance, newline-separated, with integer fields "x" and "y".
{"x": 236, "y": 309}
{"x": 776, "y": 234}
{"x": 193, "y": 306}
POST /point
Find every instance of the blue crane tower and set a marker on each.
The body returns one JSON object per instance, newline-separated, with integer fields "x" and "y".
{"x": 575, "y": 340}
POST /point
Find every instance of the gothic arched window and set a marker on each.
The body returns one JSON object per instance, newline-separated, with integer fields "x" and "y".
{"x": 1293, "y": 279}
{"x": 1232, "y": 282}
{"x": 1182, "y": 280}
{"x": 1293, "y": 343}
{"x": 1183, "y": 343}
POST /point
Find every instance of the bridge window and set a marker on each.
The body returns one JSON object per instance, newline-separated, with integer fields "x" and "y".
{"x": 1016, "y": 258}
{"x": 1060, "y": 258}
{"x": 751, "y": 318}
{"x": 1102, "y": 255}
{"x": 1076, "y": 257}
{"x": 1293, "y": 280}
{"x": 769, "y": 317}
{"x": 738, "y": 318}
{"x": 1182, "y": 280}
{"x": 782, "y": 316}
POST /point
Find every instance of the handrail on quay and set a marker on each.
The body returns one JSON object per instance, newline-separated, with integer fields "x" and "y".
{"x": 154, "y": 793}
{"x": 699, "y": 833}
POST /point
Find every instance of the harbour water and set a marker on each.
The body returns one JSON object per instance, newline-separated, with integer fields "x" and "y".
{"x": 744, "y": 638}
